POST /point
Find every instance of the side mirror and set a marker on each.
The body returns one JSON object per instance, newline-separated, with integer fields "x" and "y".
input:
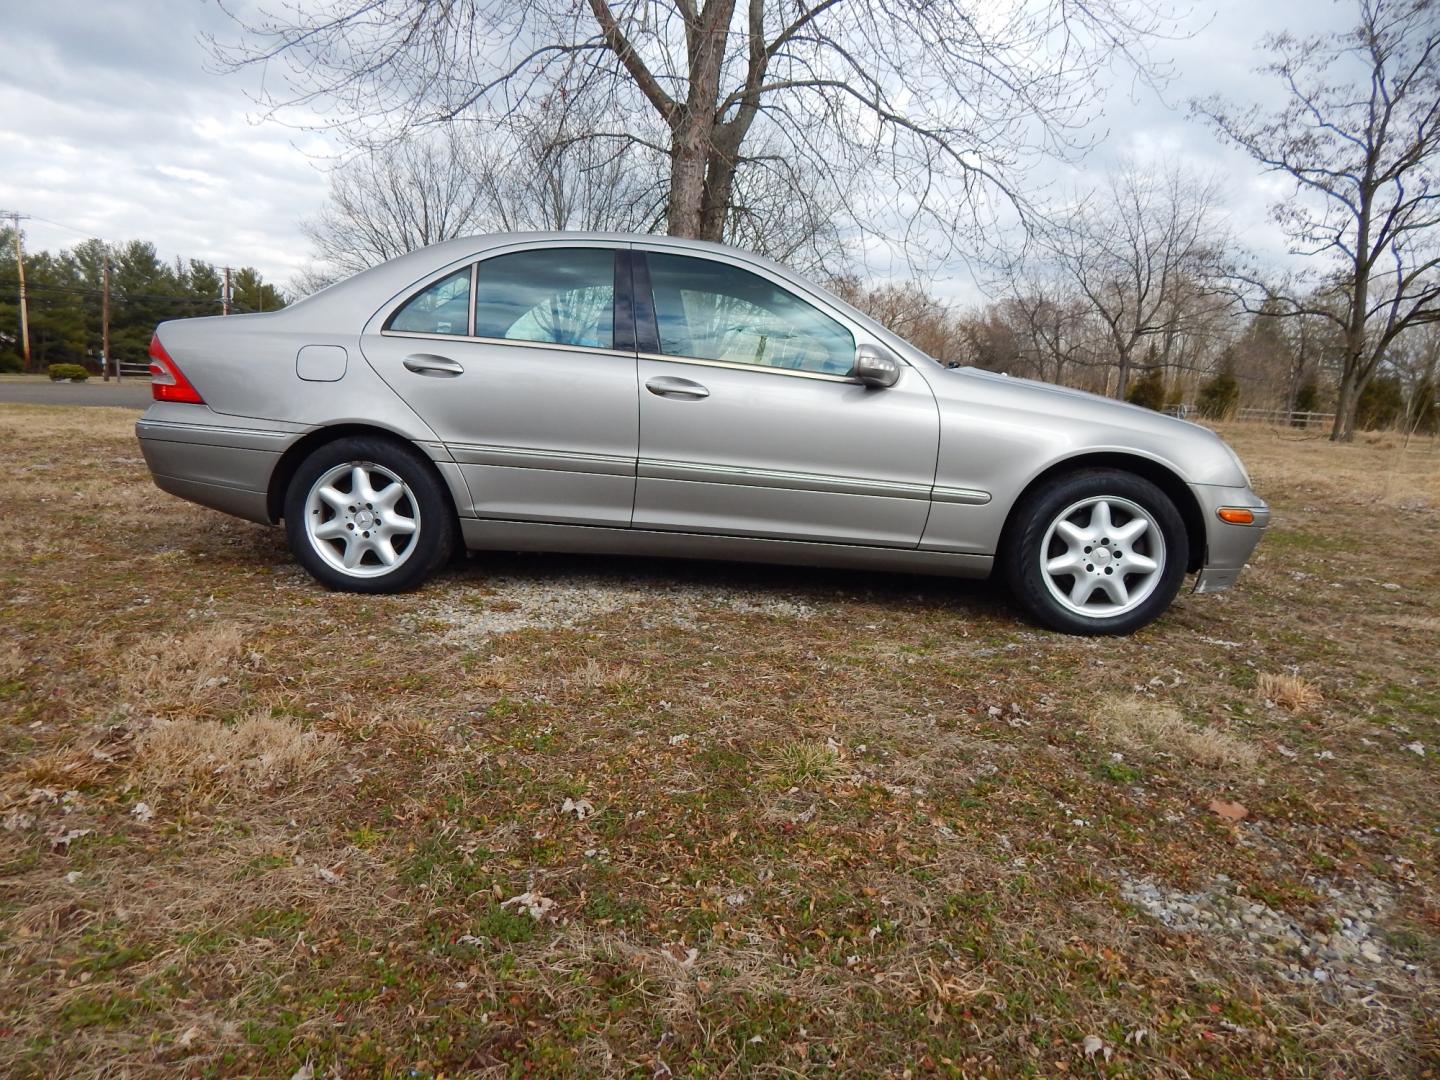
{"x": 876, "y": 366}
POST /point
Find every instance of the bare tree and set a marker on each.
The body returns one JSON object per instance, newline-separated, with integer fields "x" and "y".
{"x": 1139, "y": 252}
{"x": 413, "y": 193}
{"x": 1049, "y": 315}
{"x": 939, "y": 104}
{"x": 1360, "y": 137}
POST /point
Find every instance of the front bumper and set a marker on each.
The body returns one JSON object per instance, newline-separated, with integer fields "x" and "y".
{"x": 1227, "y": 546}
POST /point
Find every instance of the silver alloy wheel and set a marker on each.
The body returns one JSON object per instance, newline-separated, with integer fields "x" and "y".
{"x": 1102, "y": 556}
{"x": 358, "y": 528}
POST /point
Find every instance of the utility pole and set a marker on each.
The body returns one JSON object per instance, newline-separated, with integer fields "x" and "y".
{"x": 226, "y": 294}
{"x": 15, "y": 217}
{"x": 105, "y": 360}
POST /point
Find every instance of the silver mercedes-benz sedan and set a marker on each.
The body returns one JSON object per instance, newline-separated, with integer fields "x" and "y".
{"x": 601, "y": 393}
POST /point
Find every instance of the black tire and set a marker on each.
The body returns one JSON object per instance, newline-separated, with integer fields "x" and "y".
{"x": 423, "y": 500}
{"x": 1031, "y": 522}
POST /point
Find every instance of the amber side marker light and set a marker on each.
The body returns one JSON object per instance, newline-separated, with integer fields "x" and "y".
{"x": 1236, "y": 515}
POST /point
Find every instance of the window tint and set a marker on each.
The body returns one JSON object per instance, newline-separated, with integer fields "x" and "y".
{"x": 442, "y": 308}
{"x": 713, "y": 311}
{"x": 561, "y": 295}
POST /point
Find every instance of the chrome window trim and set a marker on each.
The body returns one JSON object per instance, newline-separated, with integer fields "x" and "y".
{"x": 735, "y": 365}
{"x": 473, "y": 340}
{"x": 474, "y": 281}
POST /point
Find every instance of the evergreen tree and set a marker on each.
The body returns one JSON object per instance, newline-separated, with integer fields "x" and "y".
{"x": 1148, "y": 390}
{"x": 1218, "y": 397}
{"x": 1382, "y": 402}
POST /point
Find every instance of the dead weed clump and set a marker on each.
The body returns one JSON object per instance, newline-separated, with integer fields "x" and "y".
{"x": 1290, "y": 692}
{"x": 1152, "y": 727}
{"x": 808, "y": 762}
{"x": 258, "y": 752}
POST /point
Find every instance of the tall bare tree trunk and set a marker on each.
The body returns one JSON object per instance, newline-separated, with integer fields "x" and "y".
{"x": 693, "y": 125}
{"x": 1122, "y": 383}
{"x": 1344, "y": 428}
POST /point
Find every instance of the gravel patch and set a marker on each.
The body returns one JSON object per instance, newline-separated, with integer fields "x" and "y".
{"x": 524, "y": 603}
{"x": 1353, "y": 954}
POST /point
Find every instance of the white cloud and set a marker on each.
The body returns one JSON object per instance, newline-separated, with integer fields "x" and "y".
{"x": 118, "y": 126}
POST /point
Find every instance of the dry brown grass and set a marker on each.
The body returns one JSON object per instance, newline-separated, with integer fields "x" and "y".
{"x": 1148, "y": 727}
{"x": 1290, "y": 692}
{"x": 336, "y": 822}
{"x": 182, "y": 673}
{"x": 256, "y": 753}
{"x": 1378, "y": 467}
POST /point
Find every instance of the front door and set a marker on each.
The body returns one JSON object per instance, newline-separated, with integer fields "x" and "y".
{"x": 750, "y": 424}
{"x": 513, "y": 363}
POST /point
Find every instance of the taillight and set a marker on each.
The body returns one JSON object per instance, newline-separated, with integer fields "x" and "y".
{"x": 167, "y": 381}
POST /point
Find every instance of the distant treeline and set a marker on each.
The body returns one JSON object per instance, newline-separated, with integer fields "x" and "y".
{"x": 65, "y": 290}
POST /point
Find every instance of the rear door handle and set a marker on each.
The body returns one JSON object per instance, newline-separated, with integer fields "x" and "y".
{"x": 432, "y": 365}
{"x": 670, "y": 386}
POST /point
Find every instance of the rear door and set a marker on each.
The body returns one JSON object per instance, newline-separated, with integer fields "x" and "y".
{"x": 513, "y": 362}
{"x": 750, "y": 424}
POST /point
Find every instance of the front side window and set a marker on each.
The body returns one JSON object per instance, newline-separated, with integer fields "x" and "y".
{"x": 565, "y": 296}
{"x": 713, "y": 311}
{"x": 441, "y": 308}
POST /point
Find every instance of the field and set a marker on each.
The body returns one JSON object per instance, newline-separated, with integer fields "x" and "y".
{"x": 555, "y": 816}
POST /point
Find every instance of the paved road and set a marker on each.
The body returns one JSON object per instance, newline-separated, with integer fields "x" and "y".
{"x": 133, "y": 393}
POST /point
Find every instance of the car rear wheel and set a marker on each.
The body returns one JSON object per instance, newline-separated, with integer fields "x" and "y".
{"x": 1097, "y": 552}
{"x": 364, "y": 514}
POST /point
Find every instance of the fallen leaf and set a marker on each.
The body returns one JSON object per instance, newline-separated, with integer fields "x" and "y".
{"x": 1092, "y": 1045}
{"x": 66, "y": 838}
{"x": 328, "y": 876}
{"x": 304, "y": 1072}
{"x": 1416, "y": 747}
{"x": 1230, "y": 811}
{"x": 677, "y": 951}
{"x": 142, "y": 812}
{"x": 581, "y": 808}
{"x": 538, "y": 906}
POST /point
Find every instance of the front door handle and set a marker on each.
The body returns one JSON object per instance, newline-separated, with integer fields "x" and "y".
{"x": 432, "y": 365}
{"x": 670, "y": 386}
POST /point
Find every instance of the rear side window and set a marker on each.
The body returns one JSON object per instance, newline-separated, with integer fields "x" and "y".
{"x": 565, "y": 296}
{"x": 441, "y": 308}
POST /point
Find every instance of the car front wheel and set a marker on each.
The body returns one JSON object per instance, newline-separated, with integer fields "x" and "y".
{"x": 364, "y": 514}
{"x": 1097, "y": 552}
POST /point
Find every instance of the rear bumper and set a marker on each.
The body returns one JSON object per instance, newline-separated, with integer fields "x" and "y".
{"x": 214, "y": 464}
{"x": 1227, "y": 546}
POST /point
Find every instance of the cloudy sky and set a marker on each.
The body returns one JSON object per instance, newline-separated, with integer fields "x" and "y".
{"x": 116, "y": 125}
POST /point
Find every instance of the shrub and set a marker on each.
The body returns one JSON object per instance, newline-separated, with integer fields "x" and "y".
{"x": 1381, "y": 403}
{"x": 1307, "y": 398}
{"x": 10, "y": 364}
{"x": 1148, "y": 390}
{"x": 1218, "y": 397}
{"x": 68, "y": 371}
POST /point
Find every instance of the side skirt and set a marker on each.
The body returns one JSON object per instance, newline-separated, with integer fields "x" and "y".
{"x": 490, "y": 535}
